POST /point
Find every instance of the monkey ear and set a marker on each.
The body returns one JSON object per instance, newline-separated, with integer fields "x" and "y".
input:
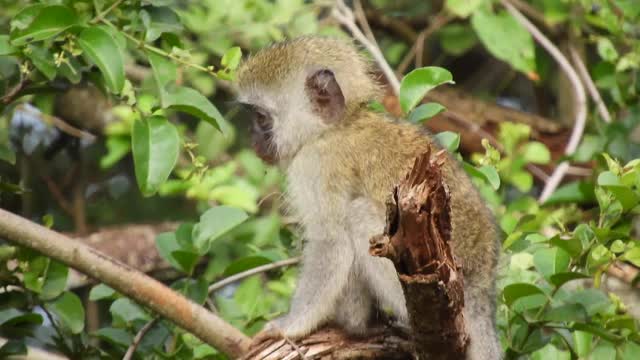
{"x": 325, "y": 95}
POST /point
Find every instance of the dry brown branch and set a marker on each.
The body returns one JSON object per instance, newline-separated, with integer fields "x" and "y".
{"x": 145, "y": 290}
{"x": 579, "y": 98}
{"x": 138, "y": 338}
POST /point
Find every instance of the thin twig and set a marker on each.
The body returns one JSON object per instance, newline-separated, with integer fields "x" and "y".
{"x": 533, "y": 13}
{"x": 58, "y": 123}
{"x": 358, "y": 11}
{"x": 101, "y": 15}
{"x": 579, "y": 98}
{"x": 138, "y": 338}
{"x": 256, "y": 270}
{"x": 588, "y": 83}
{"x": 439, "y": 21}
{"x": 345, "y": 16}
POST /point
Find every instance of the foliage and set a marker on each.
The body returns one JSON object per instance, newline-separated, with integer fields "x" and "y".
{"x": 177, "y": 137}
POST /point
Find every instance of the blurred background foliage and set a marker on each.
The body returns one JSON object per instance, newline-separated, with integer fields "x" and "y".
{"x": 118, "y": 113}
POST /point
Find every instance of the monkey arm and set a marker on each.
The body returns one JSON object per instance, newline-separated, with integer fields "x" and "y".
{"x": 324, "y": 276}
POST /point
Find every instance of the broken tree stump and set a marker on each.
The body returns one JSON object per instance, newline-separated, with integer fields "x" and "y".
{"x": 416, "y": 238}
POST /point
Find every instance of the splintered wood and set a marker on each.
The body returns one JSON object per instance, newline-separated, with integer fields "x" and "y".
{"x": 416, "y": 238}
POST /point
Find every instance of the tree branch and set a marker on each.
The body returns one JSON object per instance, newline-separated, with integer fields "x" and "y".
{"x": 579, "y": 98}
{"x": 138, "y": 338}
{"x": 588, "y": 83}
{"x": 345, "y": 17}
{"x": 139, "y": 287}
{"x": 256, "y": 270}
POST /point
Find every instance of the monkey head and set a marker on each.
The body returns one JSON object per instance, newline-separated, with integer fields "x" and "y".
{"x": 297, "y": 89}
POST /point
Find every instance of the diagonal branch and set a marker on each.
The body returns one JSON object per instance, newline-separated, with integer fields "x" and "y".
{"x": 143, "y": 289}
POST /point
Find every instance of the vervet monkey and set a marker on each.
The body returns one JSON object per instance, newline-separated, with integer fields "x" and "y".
{"x": 309, "y": 100}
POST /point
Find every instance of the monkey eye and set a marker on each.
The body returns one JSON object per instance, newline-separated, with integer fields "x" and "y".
{"x": 262, "y": 119}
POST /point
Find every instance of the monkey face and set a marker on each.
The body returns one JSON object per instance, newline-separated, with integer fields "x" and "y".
{"x": 262, "y": 134}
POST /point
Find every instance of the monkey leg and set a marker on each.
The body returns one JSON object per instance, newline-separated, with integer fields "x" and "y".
{"x": 354, "y": 307}
{"x": 379, "y": 274}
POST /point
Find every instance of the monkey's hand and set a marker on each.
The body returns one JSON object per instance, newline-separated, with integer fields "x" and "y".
{"x": 266, "y": 334}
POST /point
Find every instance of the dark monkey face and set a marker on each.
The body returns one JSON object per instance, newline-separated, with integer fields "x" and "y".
{"x": 262, "y": 134}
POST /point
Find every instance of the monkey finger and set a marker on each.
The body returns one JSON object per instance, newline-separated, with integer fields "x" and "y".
{"x": 265, "y": 335}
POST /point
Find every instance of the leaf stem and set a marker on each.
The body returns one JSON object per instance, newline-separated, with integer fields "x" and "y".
{"x": 159, "y": 51}
{"x": 100, "y": 16}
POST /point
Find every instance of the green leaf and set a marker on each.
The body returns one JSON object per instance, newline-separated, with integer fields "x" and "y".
{"x": 491, "y": 175}
{"x": 159, "y": 20}
{"x": 42, "y": 59}
{"x": 50, "y": 21}
{"x": 231, "y": 59}
{"x": 536, "y": 153}
{"x": 456, "y": 39}
{"x": 196, "y": 290}
{"x": 580, "y": 192}
{"x": 155, "y": 143}
{"x": 192, "y": 102}
{"x": 187, "y": 260}
{"x": 606, "y": 49}
{"x": 12, "y": 317}
{"x": 549, "y": 261}
{"x": 463, "y": 8}
{"x": 214, "y": 223}
{"x": 164, "y": 73}
{"x": 582, "y": 341}
{"x": 101, "y": 291}
{"x": 55, "y": 280}
{"x": 167, "y": 245}
{"x": 5, "y": 47}
{"x": 627, "y": 197}
{"x": 566, "y": 313}
{"x": 425, "y": 111}
{"x": 46, "y": 277}
{"x": 119, "y": 337}
{"x": 448, "y": 140}
{"x": 124, "y": 312}
{"x": 117, "y": 148}
{"x": 516, "y": 291}
{"x": 103, "y": 50}
{"x": 593, "y": 300}
{"x": 561, "y": 278}
{"x": 608, "y": 178}
{"x": 68, "y": 308}
{"x": 245, "y": 263}
{"x": 12, "y": 348}
{"x": 416, "y": 84}
{"x": 633, "y": 256}
{"x": 506, "y": 39}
